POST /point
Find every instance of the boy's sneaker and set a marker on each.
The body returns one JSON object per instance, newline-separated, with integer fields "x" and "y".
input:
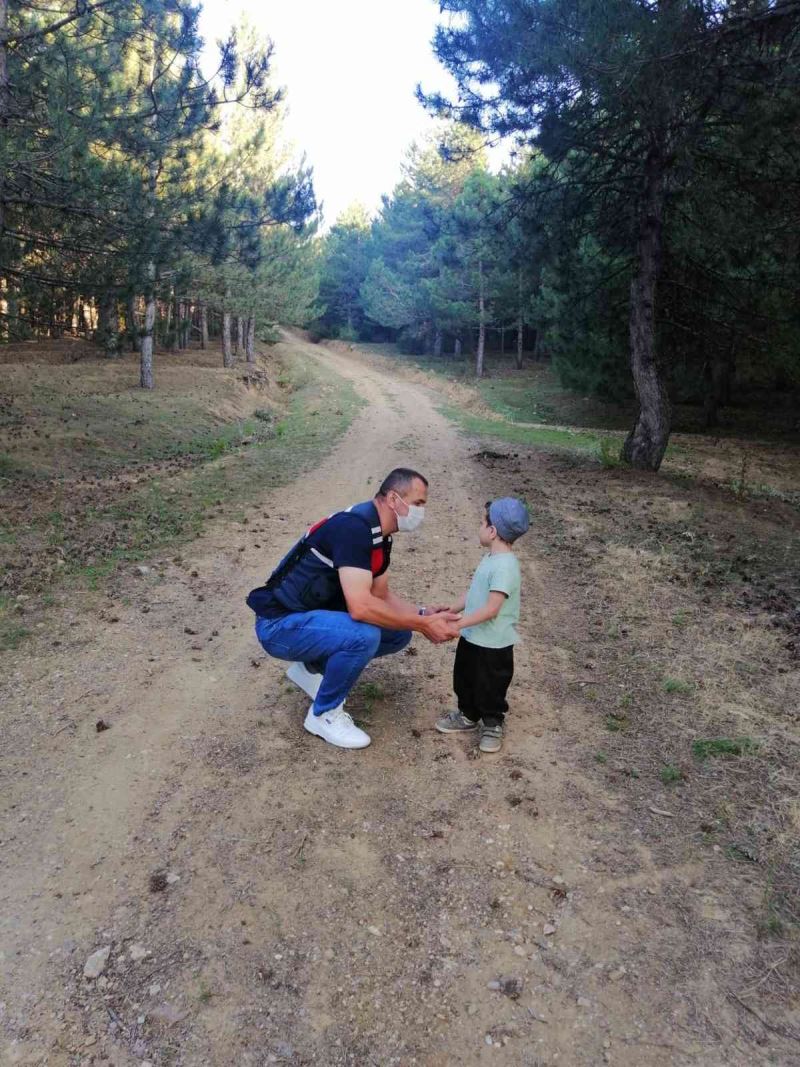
{"x": 491, "y": 738}
{"x": 337, "y": 728}
{"x": 454, "y": 722}
{"x": 308, "y": 682}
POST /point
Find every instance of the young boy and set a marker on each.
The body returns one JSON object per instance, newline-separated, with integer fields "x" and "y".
{"x": 485, "y": 654}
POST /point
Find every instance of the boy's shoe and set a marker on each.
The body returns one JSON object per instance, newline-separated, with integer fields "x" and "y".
{"x": 491, "y": 738}
{"x": 455, "y": 722}
{"x": 308, "y": 682}
{"x": 336, "y": 727}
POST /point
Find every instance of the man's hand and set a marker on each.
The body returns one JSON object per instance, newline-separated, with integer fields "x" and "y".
{"x": 441, "y": 627}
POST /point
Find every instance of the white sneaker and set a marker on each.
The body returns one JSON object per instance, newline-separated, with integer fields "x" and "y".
{"x": 337, "y": 728}
{"x": 307, "y": 681}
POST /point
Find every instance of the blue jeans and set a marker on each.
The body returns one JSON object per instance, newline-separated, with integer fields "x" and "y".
{"x": 339, "y": 645}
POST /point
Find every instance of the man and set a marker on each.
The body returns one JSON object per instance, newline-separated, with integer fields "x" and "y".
{"x": 328, "y": 606}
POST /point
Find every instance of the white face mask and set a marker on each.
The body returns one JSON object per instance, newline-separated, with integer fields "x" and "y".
{"x": 413, "y": 520}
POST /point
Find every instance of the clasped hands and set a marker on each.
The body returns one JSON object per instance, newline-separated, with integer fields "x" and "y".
{"x": 442, "y": 623}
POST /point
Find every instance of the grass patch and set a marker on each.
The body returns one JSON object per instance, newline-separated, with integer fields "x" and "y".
{"x": 713, "y": 747}
{"x": 231, "y": 463}
{"x": 670, "y": 774}
{"x": 676, "y": 685}
{"x": 550, "y": 440}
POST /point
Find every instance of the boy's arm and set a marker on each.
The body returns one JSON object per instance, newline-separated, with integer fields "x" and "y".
{"x": 483, "y": 614}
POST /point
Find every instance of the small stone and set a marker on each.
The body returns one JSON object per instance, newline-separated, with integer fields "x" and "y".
{"x": 584, "y": 1002}
{"x": 172, "y": 878}
{"x": 374, "y": 931}
{"x": 520, "y": 950}
{"x": 168, "y": 1014}
{"x": 329, "y": 954}
{"x": 548, "y": 929}
{"x": 620, "y": 972}
{"x": 494, "y": 985}
{"x": 137, "y": 952}
{"x": 488, "y": 1040}
{"x": 96, "y": 963}
{"x": 154, "y": 989}
{"x": 472, "y": 1009}
{"x": 143, "y": 571}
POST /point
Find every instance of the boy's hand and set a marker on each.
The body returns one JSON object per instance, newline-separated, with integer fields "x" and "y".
{"x": 436, "y": 609}
{"x": 442, "y": 627}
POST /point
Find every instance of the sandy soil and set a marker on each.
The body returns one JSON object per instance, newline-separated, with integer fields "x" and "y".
{"x": 269, "y": 899}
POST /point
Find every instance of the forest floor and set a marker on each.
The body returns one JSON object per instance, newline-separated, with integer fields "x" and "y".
{"x": 621, "y": 884}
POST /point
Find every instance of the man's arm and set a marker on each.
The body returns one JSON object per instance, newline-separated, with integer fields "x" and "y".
{"x": 390, "y": 611}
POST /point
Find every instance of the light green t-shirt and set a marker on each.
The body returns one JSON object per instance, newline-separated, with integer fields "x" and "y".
{"x": 496, "y": 573}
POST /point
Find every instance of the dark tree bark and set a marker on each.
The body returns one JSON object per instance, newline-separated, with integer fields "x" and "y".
{"x": 108, "y": 324}
{"x": 716, "y": 376}
{"x": 131, "y": 323}
{"x": 646, "y": 443}
{"x": 437, "y": 343}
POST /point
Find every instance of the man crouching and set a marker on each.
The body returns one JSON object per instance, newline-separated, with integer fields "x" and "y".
{"x": 328, "y": 607}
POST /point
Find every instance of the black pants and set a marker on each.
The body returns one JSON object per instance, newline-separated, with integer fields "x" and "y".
{"x": 481, "y": 677}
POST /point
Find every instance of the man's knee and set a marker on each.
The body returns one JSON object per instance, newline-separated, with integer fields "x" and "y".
{"x": 395, "y": 641}
{"x": 366, "y": 639}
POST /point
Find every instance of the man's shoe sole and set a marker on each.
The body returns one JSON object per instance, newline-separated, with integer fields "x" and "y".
{"x": 455, "y": 729}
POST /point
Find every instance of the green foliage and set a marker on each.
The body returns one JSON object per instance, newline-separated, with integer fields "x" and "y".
{"x": 676, "y": 685}
{"x": 670, "y": 774}
{"x": 724, "y": 746}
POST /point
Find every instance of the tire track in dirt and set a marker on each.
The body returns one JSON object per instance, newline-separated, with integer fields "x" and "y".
{"x": 331, "y": 908}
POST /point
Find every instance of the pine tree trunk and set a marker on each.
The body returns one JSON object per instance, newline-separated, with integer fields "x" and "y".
{"x": 520, "y": 321}
{"x": 3, "y": 106}
{"x": 240, "y": 325}
{"x": 251, "y": 339}
{"x": 716, "y": 376}
{"x": 227, "y": 351}
{"x": 203, "y": 327}
{"x": 502, "y": 340}
{"x": 646, "y": 443}
{"x": 481, "y": 321}
{"x": 131, "y": 326}
{"x": 437, "y": 343}
{"x": 457, "y": 347}
{"x": 146, "y": 378}
{"x": 108, "y": 324}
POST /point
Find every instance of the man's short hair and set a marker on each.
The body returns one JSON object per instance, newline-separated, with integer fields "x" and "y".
{"x": 400, "y": 480}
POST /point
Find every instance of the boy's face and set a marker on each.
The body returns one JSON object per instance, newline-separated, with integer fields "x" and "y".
{"x": 487, "y": 532}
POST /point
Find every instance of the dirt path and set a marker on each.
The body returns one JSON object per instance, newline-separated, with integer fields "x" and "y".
{"x": 322, "y": 906}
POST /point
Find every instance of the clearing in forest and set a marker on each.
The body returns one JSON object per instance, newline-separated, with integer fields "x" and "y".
{"x": 619, "y": 885}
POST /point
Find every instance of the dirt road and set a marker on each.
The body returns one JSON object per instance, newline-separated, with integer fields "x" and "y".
{"x": 267, "y": 898}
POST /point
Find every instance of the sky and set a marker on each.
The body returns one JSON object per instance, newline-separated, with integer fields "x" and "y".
{"x": 349, "y": 68}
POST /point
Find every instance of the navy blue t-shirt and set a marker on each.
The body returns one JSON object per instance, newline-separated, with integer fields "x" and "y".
{"x": 351, "y": 538}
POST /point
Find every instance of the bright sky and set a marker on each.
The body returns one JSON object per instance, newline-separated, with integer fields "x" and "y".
{"x": 349, "y": 68}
